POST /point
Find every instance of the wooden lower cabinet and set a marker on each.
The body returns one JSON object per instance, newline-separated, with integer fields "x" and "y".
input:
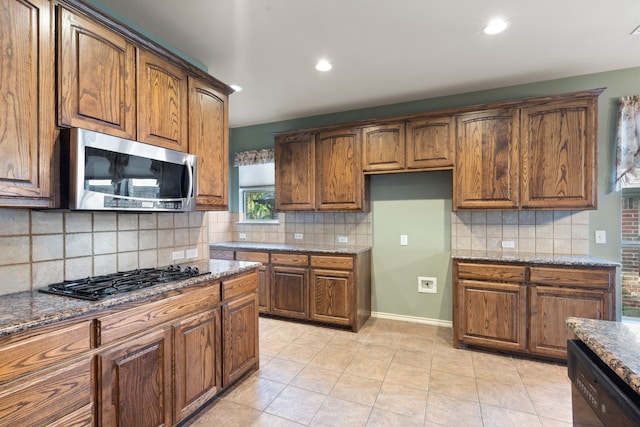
{"x": 523, "y": 307}
{"x": 289, "y": 291}
{"x": 134, "y": 382}
{"x": 318, "y": 286}
{"x": 331, "y": 293}
{"x": 493, "y": 314}
{"x": 107, "y": 369}
{"x": 240, "y": 345}
{"x": 197, "y": 361}
{"x": 551, "y": 305}
{"x": 63, "y": 394}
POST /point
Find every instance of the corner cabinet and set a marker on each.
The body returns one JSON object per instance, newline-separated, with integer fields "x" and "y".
{"x": 536, "y": 154}
{"x": 209, "y": 140}
{"x": 522, "y": 307}
{"x": 96, "y": 77}
{"x": 162, "y": 102}
{"x": 27, "y": 110}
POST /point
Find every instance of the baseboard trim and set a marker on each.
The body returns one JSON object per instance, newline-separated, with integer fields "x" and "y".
{"x": 427, "y": 321}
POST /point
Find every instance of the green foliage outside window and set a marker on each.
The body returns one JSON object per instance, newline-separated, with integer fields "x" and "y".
{"x": 259, "y": 205}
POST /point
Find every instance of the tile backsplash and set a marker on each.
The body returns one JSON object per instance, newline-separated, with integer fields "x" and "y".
{"x": 313, "y": 227}
{"x": 43, "y": 247}
{"x": 548, "y": 232}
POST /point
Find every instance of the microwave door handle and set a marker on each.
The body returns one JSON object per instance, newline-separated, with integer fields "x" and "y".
{"x": 190, "y": 172}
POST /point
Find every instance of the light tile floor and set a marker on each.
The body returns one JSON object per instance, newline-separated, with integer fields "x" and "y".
{"x": 391, "y": 373}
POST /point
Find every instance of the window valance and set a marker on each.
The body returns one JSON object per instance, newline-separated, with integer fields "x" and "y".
{"x": 254, "y": 157}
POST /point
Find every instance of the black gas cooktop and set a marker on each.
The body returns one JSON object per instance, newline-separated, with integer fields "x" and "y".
{"x": 98, "y": 287}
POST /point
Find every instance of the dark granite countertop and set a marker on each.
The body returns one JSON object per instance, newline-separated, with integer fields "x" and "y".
{"x": 616, "y": 343}
{"x": 532, "y": 258}
{"x": 24, "y": 310}
{"x": 281, "y": 247}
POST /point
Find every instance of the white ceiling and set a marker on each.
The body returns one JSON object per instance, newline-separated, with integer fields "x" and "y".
{"x": 384, "y": 51}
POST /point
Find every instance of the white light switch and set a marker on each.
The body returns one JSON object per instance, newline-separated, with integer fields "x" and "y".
{"x": 404, "y": 240}
{"x": 601, "y": 236}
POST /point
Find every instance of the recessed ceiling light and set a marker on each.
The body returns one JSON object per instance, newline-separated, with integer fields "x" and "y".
{"x": 323, "y": 65}
{"x": 495, "y": 26}
{"x": 236, "y": 88}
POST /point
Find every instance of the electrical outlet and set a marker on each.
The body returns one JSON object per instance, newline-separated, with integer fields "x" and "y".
{"x": 342, "y": 239}
{"x": 298, "y": 236}
{"x": 428, "y": 285}
{"x": 508, "y": 244}
{"x": 601, "y": 236}
{"x": 242, "y": 236}
{"x": 177, "y": 255}
{"x": 404, "y": 240}
{"x": 192, "y": 253}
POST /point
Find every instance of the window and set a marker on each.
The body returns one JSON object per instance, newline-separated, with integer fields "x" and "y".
{"x": 257, "y": 193}
{"x": 258, "y": 203}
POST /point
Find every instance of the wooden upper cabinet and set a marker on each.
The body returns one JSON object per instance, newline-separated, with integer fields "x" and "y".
{"x": 27, "y": 110}
{"x": 486, "y": 174}
{"x": 430, "y": 142}
{"x": 96, "y": 77}
{"x": 383, "y": 147}
{"x": 558, "y": 154}
{"x": 340, "y": 183}
{"x": 295, "y": 160}
{"x": 209, "y": 140}
{"x": 162, "y": 102}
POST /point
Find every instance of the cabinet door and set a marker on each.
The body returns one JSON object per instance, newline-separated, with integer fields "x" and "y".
{"x": 133, "y": 376}
{"x": 551, "y": 305}
{"x": 290, "y": 292}
{"x": 558, "y": 154}
{"x": 486, "y": 173}
{"x": 430, "y": 142}
{"x": 492, "y": 314}
{"x": 197, "y": 362}
{"x": 240, "y": 329}
{"x": 27, "y": 109}
{"x": 264, "y": 296}
{"x": 209, "y": 140}
{"x": 383, "y": 147}
{"x": 162, "y": 102}
{"x": 339, "y": 171}
{"x": 96, "y": 75}
{"x": 295, "y": 176}
{"x": 332, "y": 294}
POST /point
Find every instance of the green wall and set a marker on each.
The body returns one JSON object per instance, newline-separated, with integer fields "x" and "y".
{"x": 419, "y": 206}
{"x": 424, "y": 200}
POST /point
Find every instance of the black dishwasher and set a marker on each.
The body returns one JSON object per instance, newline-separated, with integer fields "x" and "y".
{"x": 599, "y": 397}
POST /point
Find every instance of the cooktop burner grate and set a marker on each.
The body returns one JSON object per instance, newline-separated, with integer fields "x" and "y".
{"x": 98, "y": 287}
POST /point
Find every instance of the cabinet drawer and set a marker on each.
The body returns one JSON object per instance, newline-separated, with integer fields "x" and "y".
{"x": 44, "y": 349}
{"x": 149, "y": 314}
{"x": 49, "y": 397}
{"x": 498, "y": 272}
{"x": 580, "y": 277}
{"x": 341, "y": 262}
{"x": 220, "y": 254}
{"x": 300, "y": 260}
{"x": 262, "y": 257}
{"x": 239, "y": 286}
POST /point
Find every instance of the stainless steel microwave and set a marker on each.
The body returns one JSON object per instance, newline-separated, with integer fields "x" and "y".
{"x": 116, "y": 174}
